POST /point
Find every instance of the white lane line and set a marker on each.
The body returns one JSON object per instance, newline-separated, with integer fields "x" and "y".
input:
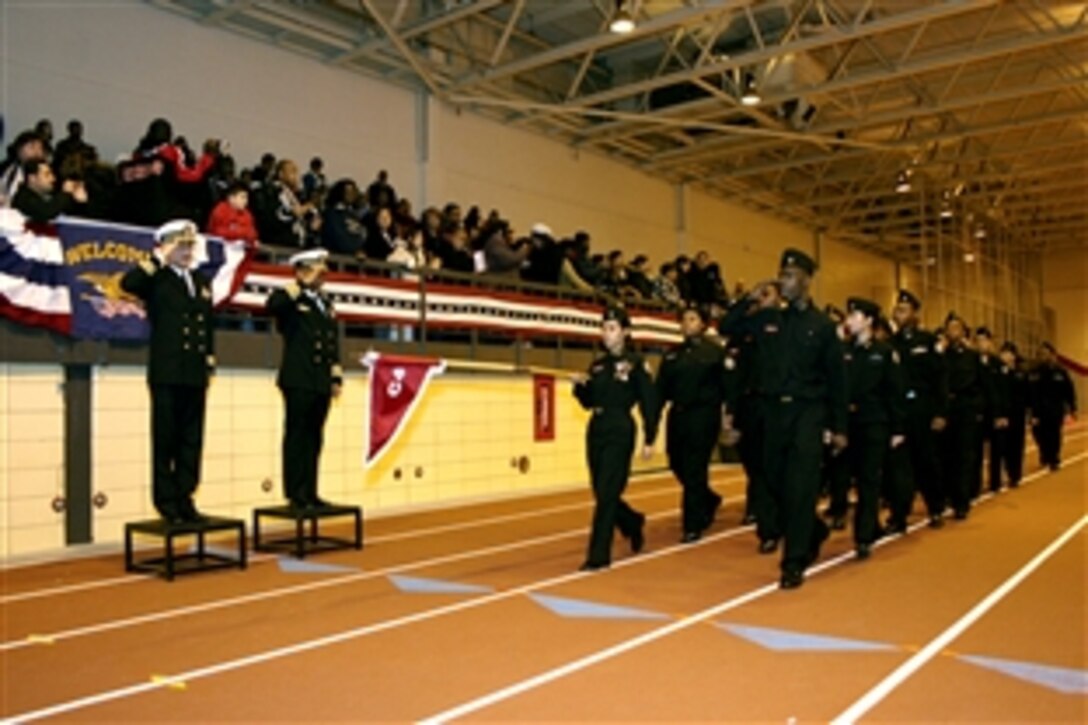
{"x": 216, "y": 604}
{"x": 616, "y": 650}
{"x": 873, "y": 697}
{"x": 351, "y": 634}
{"x": 447, "y": 528}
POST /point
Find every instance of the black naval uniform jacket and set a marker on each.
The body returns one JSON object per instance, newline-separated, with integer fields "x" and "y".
{"x": 311, "y": 345}
{"x": 614, "y": 386}
{"x": 1051, "y": 392}
{"x": 925, "y": 377}
{"x": 875, "y": 384}
{"x": 693, "y": 375}
{"x": 182, "y": 345}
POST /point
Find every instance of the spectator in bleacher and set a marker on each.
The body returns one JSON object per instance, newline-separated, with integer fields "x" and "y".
{"x": 574, "y": 256}
{"x": 99, "y": 181}
{"x": 699, "y": 282}
{"x": 665, "y": 289}
{"x": 683, "y": 277}
{"x": 381, "y": 238}
{"x": 313, "y": 183}
{"x": 284, "y": 220}
{"x": 637, "y": 278}
{"x": 452, "y": 213}
{"x": 614, "y": 280}
{"x": 472, "y": 227}
{"x": 412, "y": 254}
{"x": 453, "y": 250}
{"x": 36, "y": 198}
{"x": 222, "y": 177}
{"x": 44, "y": 129}
{"x": 341, "y": 231}
{"x": 184, "y": 189}
{"x": 431, "y": 226}
{"x": 27, "y": 146}
{"x": 380, "y": 193}
{"x": 716, "y": 284}
{"x": 265, "y": 170}
{"x": 72, "y": 145}
{"x": 502, "y": 255}
{"x": 545, "y": 256}
{"x": 231, "y": 218}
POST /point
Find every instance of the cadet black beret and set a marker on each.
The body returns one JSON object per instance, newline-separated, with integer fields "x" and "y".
{"x": 909, "y": 298}
{"x": 953, "y": 316}
{"x": 797, "y": 258}
{"x": 1010, "y": 346}
{"x": 618, "y": 314}
{"x": 983, "y": 332}
{"x": 864, "y": 306}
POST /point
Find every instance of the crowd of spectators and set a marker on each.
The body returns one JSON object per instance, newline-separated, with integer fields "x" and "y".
{"x": 272, "y": 203}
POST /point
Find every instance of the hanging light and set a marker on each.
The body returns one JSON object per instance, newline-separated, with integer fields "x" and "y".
{"x": 946, "y": 210}
{"x": 623, "y": 21}
{"x": 902, "y": 182}
{"x": 750, "y": 94}
{"x": 969, "y": 257}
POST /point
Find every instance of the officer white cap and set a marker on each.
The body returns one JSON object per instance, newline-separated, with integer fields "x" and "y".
{"x": 541, "y": 229}
{"x": 308, "y": 257}
{"x": 182, "y": 228}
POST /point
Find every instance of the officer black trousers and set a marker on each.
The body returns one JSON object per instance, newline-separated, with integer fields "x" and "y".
{"x": 793, "y": 448}
{"x": 961, "y": 455}
{"x": 305, "y": 412}
{"x": 866, "y": 453}
{"x": 922, "y": 447}
{"x": 610, "y": 440}
{"x": 983, "y": 435}
{"x": 1011, "y": 456}
{"x": 177, "y": 440}
{"x": 759, "y": 501}
{"x": 691, "y": 437}
{"x": 898, "y": 485}
{"x": 838, "y": 477}
{"x": 1048, "y": 436}
{"x": 999, "y": 441}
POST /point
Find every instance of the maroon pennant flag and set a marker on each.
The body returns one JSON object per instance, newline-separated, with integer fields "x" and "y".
{"x": 397, "y": 384}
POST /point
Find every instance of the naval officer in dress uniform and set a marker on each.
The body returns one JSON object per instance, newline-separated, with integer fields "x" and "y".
{"x": 310, "y": 375}
{"x": 181, "y": 359}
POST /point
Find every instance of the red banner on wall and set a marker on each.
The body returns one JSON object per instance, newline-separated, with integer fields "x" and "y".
{"x": 397, "y": 384}
{"x": 543, "y": 408}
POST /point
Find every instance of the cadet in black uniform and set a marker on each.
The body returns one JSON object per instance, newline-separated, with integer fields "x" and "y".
{"x": 746, "y": 417}
{"x": 835, "y": 479}
{"x": 925, "y": 384}
{"x": 1052, "y": 398}
{"x": 875, "y": 388}
{"x": 310, "y": 374}
{"x": 616, "y": 381}
{"x": 692, "y": 379}
{"x": 181, "y": 357}
{"x": 995, "y": 420}
{"x": 1016, "y": 384}
{"x": 966, "y": 406}
{"x": 802, "y": 377}
{"x": 897, "y": 487}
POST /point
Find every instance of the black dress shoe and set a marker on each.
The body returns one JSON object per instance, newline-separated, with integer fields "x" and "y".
{"x": 895, "y": 527}
{"x": 748, "y": 520}
{"x": 594, "y": 566}
{"x": 691, "y": 537}
{"x": 1014, "y": 484}
{"x": 838, "y": 523}
{"x": 864, "y": 551}
{"x": 638, "y": 539}
{"x": 768, "y": 546}
{"x": 960, "y": 514}
{"x": 791, "y": 579}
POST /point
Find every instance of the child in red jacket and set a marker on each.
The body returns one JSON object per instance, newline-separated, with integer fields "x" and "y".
{"x": 231, "y": 219}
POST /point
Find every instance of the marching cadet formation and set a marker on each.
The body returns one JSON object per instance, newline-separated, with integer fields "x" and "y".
{"x": 819, "y": 399}
{"x": 810, "y": 401}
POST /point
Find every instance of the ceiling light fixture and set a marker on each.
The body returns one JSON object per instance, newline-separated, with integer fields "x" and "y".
{"x": 750, "y": 95}
{"x": 902, "y": 182}
{"x": 623, "y": 22}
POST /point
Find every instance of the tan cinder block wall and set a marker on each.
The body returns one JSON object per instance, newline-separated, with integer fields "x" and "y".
{"x": 461, "y": 444}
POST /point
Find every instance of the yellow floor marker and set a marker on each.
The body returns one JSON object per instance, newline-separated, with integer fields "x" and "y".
{"x": 168, "y": 682}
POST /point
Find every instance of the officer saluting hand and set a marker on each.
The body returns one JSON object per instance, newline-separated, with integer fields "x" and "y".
{"x": 310, "y": 374}
{"x": 181, "y": 358}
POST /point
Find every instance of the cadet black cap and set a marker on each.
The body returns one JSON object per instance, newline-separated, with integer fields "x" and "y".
{"x": 618, "y": 314}
{"x": 1010, "y": 346}
{"x": 864, "y": 306}
{"x": 983, "y": 332}
{"x": 796, "y": 258}
{"x": 953, "y": 316}
{"x": 908, "y": 297}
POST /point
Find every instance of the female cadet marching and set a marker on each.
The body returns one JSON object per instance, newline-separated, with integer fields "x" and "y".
{"x": 616, "y": 381}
